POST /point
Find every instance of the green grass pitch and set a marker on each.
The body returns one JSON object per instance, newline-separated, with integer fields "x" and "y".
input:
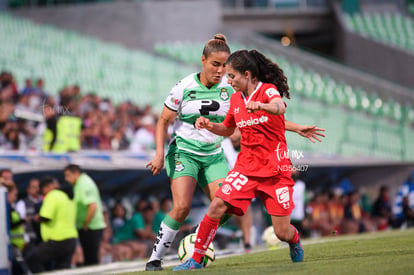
{"x": 390, "y": 252}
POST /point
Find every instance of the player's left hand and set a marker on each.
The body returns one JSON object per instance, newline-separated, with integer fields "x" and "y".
{"x": 201, "y": 123}
{"x": 311, "y": 132}
{"x": 253, "y": 106}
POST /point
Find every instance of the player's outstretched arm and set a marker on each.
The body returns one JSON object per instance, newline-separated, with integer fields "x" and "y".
{"x": 216, "y": 128}
{"x": 310, "y": 132}
{"x": 275, "y": 107}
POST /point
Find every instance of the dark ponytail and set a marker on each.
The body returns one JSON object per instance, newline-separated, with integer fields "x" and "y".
{"x": 260, "y": 67}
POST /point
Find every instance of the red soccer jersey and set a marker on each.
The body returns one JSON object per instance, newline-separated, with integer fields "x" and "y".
{"x": 263, "y": 144}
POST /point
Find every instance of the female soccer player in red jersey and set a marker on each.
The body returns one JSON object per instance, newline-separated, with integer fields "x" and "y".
{"x": 262, "y": 167}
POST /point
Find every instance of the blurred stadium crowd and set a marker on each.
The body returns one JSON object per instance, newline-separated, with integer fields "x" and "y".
{"x": 28, "y": 111}
{"x": 133, "y": 221}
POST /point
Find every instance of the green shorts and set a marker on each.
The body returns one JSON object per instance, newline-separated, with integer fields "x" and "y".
{"x": 204, "y": 169}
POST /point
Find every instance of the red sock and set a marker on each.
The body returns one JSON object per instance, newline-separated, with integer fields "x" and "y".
{"x": 206, "y": 233}
{"x": 295, "y": 238}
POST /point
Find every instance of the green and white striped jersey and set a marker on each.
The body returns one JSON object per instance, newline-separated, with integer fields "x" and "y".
{"x": 191, "y": 99}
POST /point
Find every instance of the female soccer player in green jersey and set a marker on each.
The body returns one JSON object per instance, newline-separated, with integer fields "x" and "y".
{"x": 195, "y": 156}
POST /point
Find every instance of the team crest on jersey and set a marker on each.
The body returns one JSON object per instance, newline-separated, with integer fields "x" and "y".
{"x": 226, "y": 189}
{"x": 179, "y": 166}
{"x": 224, "y": 94}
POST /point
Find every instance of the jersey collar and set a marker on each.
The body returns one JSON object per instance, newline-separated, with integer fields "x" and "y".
{"x": 197, "y": 79}
{"x": 247, "y": 100}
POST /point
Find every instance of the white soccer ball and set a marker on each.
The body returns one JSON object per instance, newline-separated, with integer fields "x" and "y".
{"x": 270, "y": 238}
{"x": 186, "y": 250}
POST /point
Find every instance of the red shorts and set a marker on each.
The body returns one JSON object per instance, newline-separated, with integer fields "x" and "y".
{"x": 275, "y": 192}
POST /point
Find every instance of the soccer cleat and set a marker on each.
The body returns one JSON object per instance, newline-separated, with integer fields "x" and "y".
{"x": 247, "y": 247}
{"x": 296, "y": 252}
{"x": 188, "y": 265}
{"x": 154, "y": 265}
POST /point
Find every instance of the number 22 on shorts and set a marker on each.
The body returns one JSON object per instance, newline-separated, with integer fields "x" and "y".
{"x": 237, "y": 180}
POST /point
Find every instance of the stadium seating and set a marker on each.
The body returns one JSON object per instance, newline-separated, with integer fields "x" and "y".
{"x": 357, "y": 122}
{"x": 410, "y": 6}
{"x": 64, "y": 57}
{"x": 394, "y": 29}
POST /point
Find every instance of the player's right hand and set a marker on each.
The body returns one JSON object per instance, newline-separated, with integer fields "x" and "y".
{"x": 156, "y": 165}
{"x": 201, "y": 123}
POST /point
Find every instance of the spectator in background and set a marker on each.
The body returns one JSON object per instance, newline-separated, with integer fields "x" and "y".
{"x": 336, "y": 209}
{"x": 381, "y": 210}
{"x": 40, "y": 88}
{"x": 51, "y": 117}
{"x": 63, "y": 132}
{"x": 403, "y": 207}
{"x": 105, "y": 127}
{"x": 106, "y": 107}
{"x": 299, "y": 199}
{"x": 89, "y": 212}
{"x": 355, "y": 219}
{"x": 14, "y": 140}
{"x": 125, "y": 112}
{"x": 27, "y": 131}
{"x": 57, "y": 217}
{"x": 23, "y": 103}
{"x": 105, "y": 134}
{"x": 6, "y": 93}
{"x": 16, "y": 231}
{"x": 30, "y": 98}
{"x": 137, "y": 228}
{"x": 4, "y": 125}
{"x": 148, "y": 235}
{"x": 135, "y": 237}
{"x": 165, "y": 207}
{"x": 118, "y": 216}
{"x": 86, "y": 104}
{"x": 7, "y": 79}
{"x": 319, "y": 215}
{"x": 28, "y": 87}
{"x": 7, "y": 175}
{"x": 408, "y": 212}
{"x": 90, "y": 131}
{"x": 118, "y": 219}
{"x": 28, "y": 209}
{"x": 144, "y": 138}
{"x": 27, "y": 116}
{"x": 141, "y": 204}
{"x": 119, "y": 140}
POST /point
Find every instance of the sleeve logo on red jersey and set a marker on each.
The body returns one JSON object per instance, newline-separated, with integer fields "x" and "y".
{"x": 272, "y": 92}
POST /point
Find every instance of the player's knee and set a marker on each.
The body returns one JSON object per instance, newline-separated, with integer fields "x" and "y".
{"x": 181, "y": 211}
{"x": 217, "y": 208}
{"x": 282, "y": 234}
